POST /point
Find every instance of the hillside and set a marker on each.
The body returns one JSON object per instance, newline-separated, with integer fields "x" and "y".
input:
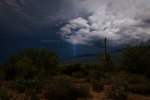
{"x": 93, "y": 58}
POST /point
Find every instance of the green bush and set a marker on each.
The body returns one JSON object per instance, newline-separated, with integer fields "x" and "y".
{"x": 137, "y": 79}
{"x": 77, "y": 74}
{"x": 26, "y": 69}
{"x": 84, "y": 91}
{"x": 97, "y": 85}
{"x": 10, "y": 72}
{"x": 63, "y": 88}
{"x": 96, "y": 74}
{"x": 28, "y": 64}
{"x": 135, "y": 59}
{"x": 119, "y": 81}
{"x": 116, "y": 93}
{"x": 140, "y": 88}
{"x": 117, "y": 90}
{"x": 34, "y": 97}
{"x": 5, "y": 96}
{"x": 0, "y": 83}
{"x": 98, "y": 71}
{"x": 18, "y": 85}
{"x": 107, "y": 78}
{"x": 76, "y": 70}
{"x": 108, "y": 65}
{"x": 69, "y": 69}
{"x": 139, "y": 84}
{"x": 23, "y": 69}
{"x": 22, "y": 85}
{"x": 147, "y": 72}
{"x": 1, "y": 73}
{"x": 98, "y": 77}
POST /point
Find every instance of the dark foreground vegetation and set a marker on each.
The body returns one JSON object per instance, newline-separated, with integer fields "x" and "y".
{"x": 38, "y": 75}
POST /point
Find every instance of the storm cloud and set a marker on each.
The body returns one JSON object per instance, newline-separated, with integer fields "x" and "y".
{"x": 120, "y": 21}
{"x": 27, "y": 16}
{"x": 84, "y": 22}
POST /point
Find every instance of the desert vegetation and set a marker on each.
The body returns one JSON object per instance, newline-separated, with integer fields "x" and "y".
{"x": 34, "y": 74}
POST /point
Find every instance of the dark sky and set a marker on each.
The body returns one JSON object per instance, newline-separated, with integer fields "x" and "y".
{"x": 58, "y": 24}
{"x": 36, "y": 23}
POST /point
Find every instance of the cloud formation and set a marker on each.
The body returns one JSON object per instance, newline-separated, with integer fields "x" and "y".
{"x": 120, "y": 21}
{"x": 39, "y": 11}
{"x": 19, "y": 16}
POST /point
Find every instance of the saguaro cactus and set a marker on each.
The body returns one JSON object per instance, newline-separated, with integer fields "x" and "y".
{"x": 105, "y": 50}
{"x": 105, "y": 56}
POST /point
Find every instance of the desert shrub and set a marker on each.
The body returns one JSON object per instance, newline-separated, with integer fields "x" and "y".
{"x": 5, "y": 96}
{"x": 98, "y": 78}
{"x": 63, "y": 88}
{"x": 1, "y": 73}
{"x": 86, "y": 70}
{"x": 107, "y": 78}
{"x": 135, "y": 59}
{"x": 96, "y": 74}
{"x": 77, "y": 74}
{"x": 119, "y": 81}
{"x": 69, "y": 69}
{"x": 137, "y": 79}
{"x": 76, "y": 70}
{"x": 59, "y": 89}
{"x": 0, "y": 84}
{"x": 139, "y": 84}
{"x": 84, "y": 91}
{"x": 118, "y": 67}
{"x": 98, "y": 71}
{"x": 23, "y": 69}
{"x": 140, "y": 88}
{"x": 116, "y": 93}
{"x": 28, "y": 64}
{"x": 105, "y": 98}
{"x": 117, "y": 90}
{"x": 147, "y": 72}
{"x": 22, "y": 85}
{"x": 10, "y": 72}
{"x": 34, "y": 97}
{"x": 48, "y": 60}
{"x": 42, "y": 58}
{"x": 97, "y": 85}
{"x": 27, "y": 75}
{"x": 19, "y": 86}
{"x": 26, "y": 69}
{"x": 108, "y": 65}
